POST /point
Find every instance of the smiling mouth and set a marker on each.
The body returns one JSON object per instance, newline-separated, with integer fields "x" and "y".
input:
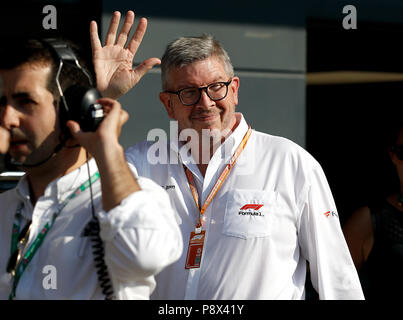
{"x": 207, "y": 117}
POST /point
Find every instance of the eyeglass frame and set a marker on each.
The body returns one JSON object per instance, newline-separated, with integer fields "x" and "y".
{"x": 226, "y": 83}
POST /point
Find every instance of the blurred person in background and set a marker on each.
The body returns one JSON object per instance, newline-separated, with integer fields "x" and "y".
{"x": 374, "y": 233}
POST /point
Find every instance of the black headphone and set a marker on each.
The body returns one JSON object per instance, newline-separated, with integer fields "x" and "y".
{"x": 77, "y": 102}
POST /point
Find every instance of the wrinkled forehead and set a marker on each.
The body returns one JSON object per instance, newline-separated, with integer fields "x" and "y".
{"x": 197, "y": 62}
{"x": 198, "y": 73}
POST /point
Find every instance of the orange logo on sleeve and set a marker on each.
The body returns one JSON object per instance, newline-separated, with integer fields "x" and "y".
{"x": 332, "y": 213}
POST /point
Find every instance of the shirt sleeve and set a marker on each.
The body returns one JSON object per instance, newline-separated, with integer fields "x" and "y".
{"x": 141, "y": 235}
{"x": 322, "y": 243}
{"x": 136, "y": 156}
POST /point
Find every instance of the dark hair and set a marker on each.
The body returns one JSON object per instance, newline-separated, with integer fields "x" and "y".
{"x": 35, "y": 51}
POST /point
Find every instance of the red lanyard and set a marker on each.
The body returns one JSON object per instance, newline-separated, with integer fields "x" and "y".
{"x": 219, "y": 182}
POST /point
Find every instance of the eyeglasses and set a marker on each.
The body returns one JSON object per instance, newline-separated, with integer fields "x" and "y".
{"x": 397, "y": 150}
{"x": 190, "y": 96}
{"x": 16, "y": 256}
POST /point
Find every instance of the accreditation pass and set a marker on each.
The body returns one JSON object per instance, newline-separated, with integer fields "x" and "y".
{"x": 195, "y": 249}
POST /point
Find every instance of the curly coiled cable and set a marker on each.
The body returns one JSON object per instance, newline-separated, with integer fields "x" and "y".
{"x": 99, "y": 253}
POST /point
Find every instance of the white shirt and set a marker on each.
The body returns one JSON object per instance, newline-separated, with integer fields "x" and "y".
{"x": 255, "y": 254}
{"x": 140, "y": 238}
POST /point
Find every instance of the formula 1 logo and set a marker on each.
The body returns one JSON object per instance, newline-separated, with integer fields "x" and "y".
{"x": 251, "y": 209}
{"x": 330, "y": 213}
{"x": 252, "y": 206}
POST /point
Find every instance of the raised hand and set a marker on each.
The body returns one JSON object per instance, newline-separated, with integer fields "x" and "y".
{"x": 113, "y": 62}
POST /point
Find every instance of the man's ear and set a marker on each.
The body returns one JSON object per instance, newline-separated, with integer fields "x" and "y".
{"x": 234, "y": 86}
{"x": 165, "y": 98}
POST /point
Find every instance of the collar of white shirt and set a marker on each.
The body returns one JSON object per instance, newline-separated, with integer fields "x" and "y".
{"x": 221, "y": 156}
{"x": 59, "y": 188}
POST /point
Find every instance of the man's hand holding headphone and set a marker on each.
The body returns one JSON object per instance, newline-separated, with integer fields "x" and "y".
{"x": 117, "y": 180}
{"x": 106, "y": 137}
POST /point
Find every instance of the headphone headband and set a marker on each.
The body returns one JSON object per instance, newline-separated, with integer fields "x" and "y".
{"x": 78, "y": 102}
{"x": 64, "y": 53}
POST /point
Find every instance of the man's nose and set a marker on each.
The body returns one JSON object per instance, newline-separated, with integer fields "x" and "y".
{"x": 9, "y": 117}
{"x": 205, "y": 101}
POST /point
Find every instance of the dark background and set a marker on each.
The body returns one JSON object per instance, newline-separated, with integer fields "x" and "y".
{"x": 348, "y": 124}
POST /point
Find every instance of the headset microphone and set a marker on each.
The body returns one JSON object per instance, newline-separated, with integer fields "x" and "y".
{"x": 32, "y": 165}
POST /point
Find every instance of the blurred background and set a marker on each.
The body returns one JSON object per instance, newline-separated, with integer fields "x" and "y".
{"x": 303, "y": 76}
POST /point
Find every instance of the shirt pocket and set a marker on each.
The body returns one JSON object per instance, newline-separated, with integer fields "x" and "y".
{"x": 249, "y": 213}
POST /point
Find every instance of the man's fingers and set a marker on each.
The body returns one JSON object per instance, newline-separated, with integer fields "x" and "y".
{"x": 115, "y": 117}
{"x": 124, "y": 116}
{"x": 111, "y": 107}
{"x": 124, "y": 32}
{"x": 137, "y": 36}
{"x": 113, "y": 28}
{"x": 144, "y": 67}
{"x": 74, "y": 128}
{"x": 95, "y": 42}
{"x": 106, "y": 103}
{"x": 113, "y": 110}
{"x": 109, "y": 129}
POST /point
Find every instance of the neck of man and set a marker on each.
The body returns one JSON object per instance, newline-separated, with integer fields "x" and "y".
{"x": 207, "y": 152}
{"x": 62, "y": 163}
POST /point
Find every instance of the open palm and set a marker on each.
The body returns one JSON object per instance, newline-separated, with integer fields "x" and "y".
{"x": 113, "y": 62}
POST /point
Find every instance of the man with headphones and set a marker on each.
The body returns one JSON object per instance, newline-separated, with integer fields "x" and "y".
{"x": 80, "y": 224}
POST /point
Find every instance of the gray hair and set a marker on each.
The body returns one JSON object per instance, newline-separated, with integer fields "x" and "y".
{"x": 187, "y": 50}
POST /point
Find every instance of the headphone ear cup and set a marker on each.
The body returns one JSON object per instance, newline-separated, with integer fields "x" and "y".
{"x": 83, "y": 108}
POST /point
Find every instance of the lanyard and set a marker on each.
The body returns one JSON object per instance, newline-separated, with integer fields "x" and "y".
{"x": 219, "y": 182}
{"x": 16, "y": 228}
{"x": 33, "y": 248}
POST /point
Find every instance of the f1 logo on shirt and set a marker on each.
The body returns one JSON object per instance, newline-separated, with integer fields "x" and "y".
{"x": 252, "y": 210}
{"x": 252, "y": 206}
{"x": 330, "y": 213}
